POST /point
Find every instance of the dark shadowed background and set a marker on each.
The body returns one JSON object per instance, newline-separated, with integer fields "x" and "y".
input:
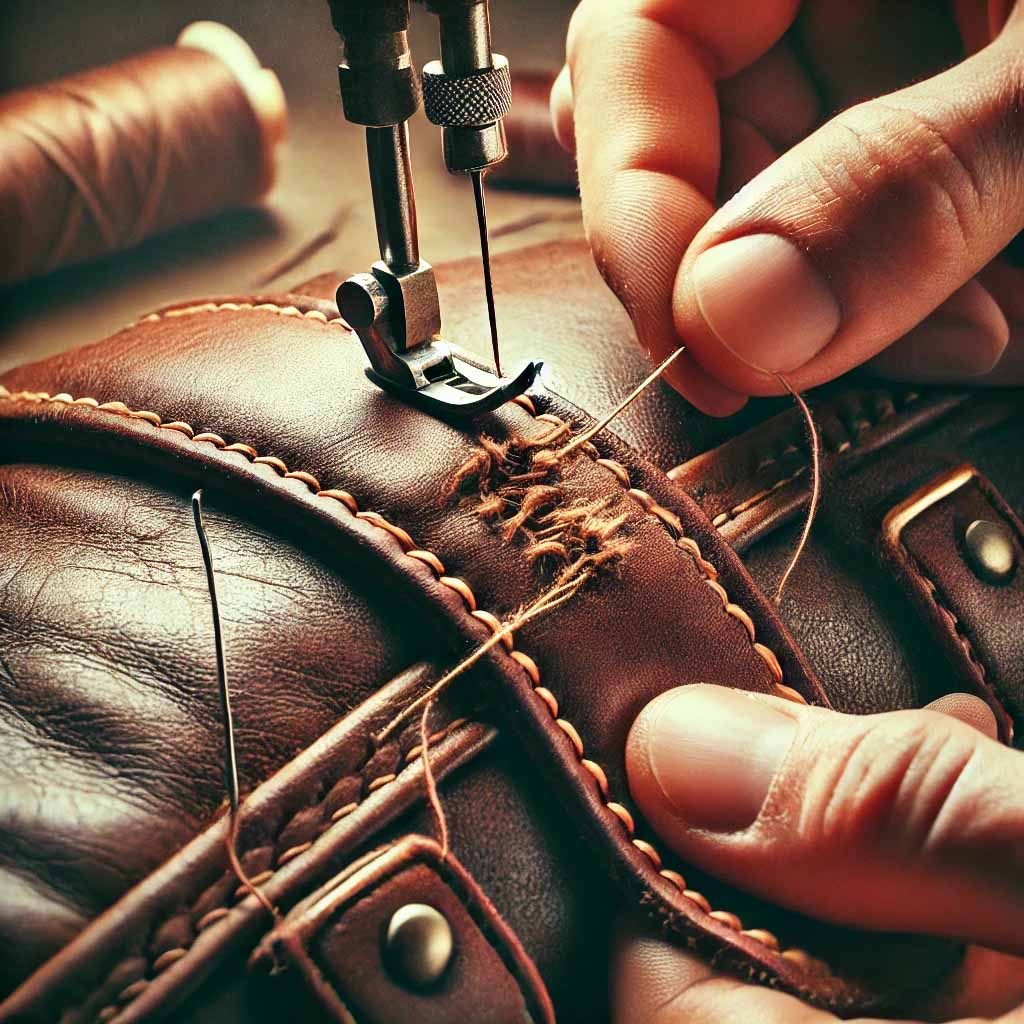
{"x": 322, "y": 168}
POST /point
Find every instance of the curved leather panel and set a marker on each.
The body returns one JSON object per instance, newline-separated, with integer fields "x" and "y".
{"x": 109, "y": 715}
{"x": 460, "y": 537}
{"x": 283, "y": 427}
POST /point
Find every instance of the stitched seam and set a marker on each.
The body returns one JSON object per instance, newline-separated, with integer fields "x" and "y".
{"x": 843, "y": 449}
{"x": 234, "y": 307}
{"x": 674, "y": 527}
{"x": 668, "y": 519}
{"x": 171, "y": 956}
{"x": 938, "y": 599}
{"x": 754, "y": 500}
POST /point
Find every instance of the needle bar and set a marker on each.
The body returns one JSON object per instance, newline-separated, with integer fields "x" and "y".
{"x": 485, "y": 253}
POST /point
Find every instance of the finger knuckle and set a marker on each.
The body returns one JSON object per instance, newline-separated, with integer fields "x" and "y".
{"x": 894, "y": 783}
{"x": 900, "y": 160}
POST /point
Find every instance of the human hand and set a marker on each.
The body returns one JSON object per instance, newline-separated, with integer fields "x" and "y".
{"x": 917, "y": 818}
{"x": 870, "y": 237}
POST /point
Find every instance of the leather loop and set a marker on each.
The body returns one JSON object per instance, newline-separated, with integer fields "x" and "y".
{"x": 977, "y": 622}
{"x": 336, "y": 938}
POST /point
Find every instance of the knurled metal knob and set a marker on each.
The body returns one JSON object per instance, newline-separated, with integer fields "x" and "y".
{"x": 467, "y": 101}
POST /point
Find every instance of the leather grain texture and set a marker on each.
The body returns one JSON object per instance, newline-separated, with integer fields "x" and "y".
{"x": 974, "y": 620}
{"x": 335, "y": 938}
{"x": 357, "y": 537}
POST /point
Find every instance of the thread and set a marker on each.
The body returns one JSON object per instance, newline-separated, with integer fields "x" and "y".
{"x": 812, "y": 508}
{"x": 550, "y": 599}
{"x": 433, "y": 796}
{"x": 99, "y": 161}
{"x": 536, "y": 161}
{"x": 587, "y": 434}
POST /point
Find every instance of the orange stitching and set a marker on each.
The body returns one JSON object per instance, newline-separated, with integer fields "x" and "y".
{"x": 843, "y": 448}
{"x": 950, "y": 617}
{"x": 668, "y": 519}
{"x": 172, "y": 956}
{"x": 755, "y": 499}
{"x": 234, "y": 307}
{"x": 674, "y": 526}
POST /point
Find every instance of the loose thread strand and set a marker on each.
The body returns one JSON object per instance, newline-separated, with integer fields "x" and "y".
{"x": 812, "y": 509}
{"x": 581, "y": 439}
{"x": 431, "y": 783}
{"x": 547, "y": 601}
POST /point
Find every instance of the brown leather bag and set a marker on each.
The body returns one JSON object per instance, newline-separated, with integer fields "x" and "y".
{"x": 362, "y": 548}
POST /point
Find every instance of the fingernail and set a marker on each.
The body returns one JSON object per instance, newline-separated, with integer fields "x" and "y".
{"x": 714, "y": 753}
{"x": 765, "y": 301}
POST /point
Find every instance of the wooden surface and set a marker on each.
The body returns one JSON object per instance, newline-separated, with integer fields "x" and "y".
{"x": 322, "y": 169}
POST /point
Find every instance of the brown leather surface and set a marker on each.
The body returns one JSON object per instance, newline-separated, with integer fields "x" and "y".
{"x": 268, "y": 409}
{"x": 553, "y": 305}
{"x": 755, "y": 482}
{"x": 170, "y": 932}
{"x": 335, "y": 938}
{"x": 111, "y": 729}
{"x": 975, "y": 621}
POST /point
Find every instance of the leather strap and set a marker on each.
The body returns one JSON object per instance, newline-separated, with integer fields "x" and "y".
{"x": 976, "y": 621}
{"x": 165, "y": 936}
{"x": 336, "y": 938}
{"x": 755, "y": 482}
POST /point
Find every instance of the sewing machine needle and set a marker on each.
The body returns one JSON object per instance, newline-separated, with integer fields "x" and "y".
{"x": 485, "y": 253}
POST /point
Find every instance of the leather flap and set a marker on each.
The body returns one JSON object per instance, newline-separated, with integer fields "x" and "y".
{"x": 338, "y": 939}
{"x": 977, "y": 619}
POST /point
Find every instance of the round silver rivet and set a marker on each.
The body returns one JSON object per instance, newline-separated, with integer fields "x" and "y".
{"x": 418, "y": 945}
{"x": 990, "y": 551}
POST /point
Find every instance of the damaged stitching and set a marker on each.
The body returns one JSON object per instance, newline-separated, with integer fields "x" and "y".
{"x": 674, "y": 527}
{"x": 668, "y": 519}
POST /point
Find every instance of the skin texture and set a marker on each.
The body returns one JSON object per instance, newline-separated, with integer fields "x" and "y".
{"x": 805, "y": 188}
{"x": 882, "y": 143}
{"x": 919, "y": 812}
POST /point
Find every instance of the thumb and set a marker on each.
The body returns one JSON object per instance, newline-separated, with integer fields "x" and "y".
{"x": 908, "y": 821}
{"x": 853, "y": 237}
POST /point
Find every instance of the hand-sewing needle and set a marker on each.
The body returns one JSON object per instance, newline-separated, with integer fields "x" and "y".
{"x": 485, "y": 254}
{"x": 230, "y": 759}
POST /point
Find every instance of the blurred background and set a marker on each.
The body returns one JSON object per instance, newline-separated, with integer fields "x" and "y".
{"x": 322, "y": 181}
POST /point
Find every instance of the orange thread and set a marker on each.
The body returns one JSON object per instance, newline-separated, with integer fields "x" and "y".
{"x": 812, "y": 508}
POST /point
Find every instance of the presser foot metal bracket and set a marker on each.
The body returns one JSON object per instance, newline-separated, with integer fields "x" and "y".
{"x": 386, "y": 309}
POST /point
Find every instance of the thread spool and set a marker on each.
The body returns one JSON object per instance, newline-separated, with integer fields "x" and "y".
{"x": 96, "y": 162}
{"x": 536, "y": 160}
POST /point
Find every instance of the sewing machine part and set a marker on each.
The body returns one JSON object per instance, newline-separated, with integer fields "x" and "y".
{"x": 394, "y": 309}
{"x": 485, "y": 255}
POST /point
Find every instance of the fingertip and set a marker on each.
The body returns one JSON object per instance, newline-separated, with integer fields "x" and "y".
{"x": 562, "y": 110}
{"x": 701, "y": 390}
{"x": 970, "y": 710}
{"x": 649, "y": 973}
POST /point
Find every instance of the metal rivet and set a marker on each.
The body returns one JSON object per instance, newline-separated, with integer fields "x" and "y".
{"x": 418, "y": 945}
{"x": 990, "y": 551}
